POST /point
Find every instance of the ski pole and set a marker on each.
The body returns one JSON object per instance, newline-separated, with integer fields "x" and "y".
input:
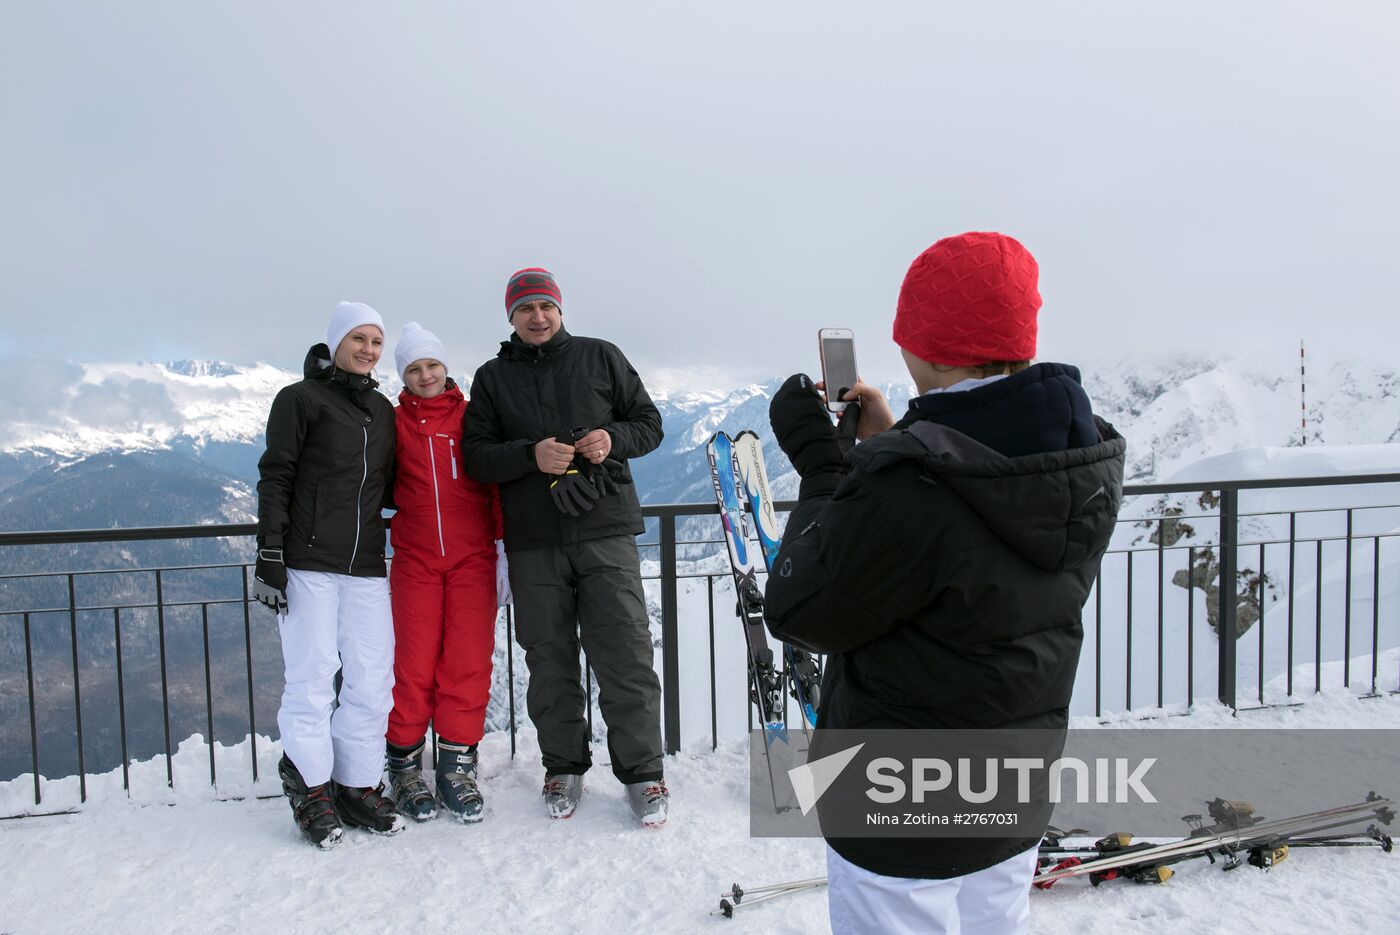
{"x": 765, "y": 893}
{"x": 737, "y": 892}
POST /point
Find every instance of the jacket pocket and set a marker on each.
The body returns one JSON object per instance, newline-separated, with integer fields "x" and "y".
{"x": 318, "y": 515}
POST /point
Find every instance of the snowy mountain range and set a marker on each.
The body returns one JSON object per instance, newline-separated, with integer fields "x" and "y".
{"x": 203, "y": 421}
{"x": 144, "y": 444}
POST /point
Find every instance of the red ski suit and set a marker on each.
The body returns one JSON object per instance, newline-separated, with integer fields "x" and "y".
{"x": 443, "y": 578}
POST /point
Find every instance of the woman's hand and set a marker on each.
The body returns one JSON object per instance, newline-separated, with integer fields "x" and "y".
{"x": 875, "y": 413}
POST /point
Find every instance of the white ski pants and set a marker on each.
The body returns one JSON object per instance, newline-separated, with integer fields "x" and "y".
{"x": 994, "y": 901}
{"x": 336, "y": 622}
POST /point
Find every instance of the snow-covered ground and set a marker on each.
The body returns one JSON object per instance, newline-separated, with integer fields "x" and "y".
{"x": 176, "y": 861}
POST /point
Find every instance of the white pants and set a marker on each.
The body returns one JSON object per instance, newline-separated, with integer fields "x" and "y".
{"x": 336, "y": 622}
{"x": 994, "y": 901}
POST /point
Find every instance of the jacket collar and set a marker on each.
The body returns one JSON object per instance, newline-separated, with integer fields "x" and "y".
{"x": 437, "y": 405}
{"x": 318, "y": 366}
{"x": 516, "y": 349}
{"x": 1042, "y": 408}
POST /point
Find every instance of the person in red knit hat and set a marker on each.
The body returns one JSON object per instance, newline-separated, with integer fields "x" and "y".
{"x": 446, "y": 582}
{"x": 942, "y": 564}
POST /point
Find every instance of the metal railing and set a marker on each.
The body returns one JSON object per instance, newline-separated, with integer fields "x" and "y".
{"x": 1103, "y": 622}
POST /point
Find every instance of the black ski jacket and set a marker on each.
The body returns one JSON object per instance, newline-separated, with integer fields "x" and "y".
{"x": 527, "y": 394}
{"x": 327, "y": 471}
{"x": 946, "y": 578}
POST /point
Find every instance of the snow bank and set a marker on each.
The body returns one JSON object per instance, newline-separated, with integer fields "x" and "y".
{"x": 240, "y": 866}
{"x": 1287, "y": 463}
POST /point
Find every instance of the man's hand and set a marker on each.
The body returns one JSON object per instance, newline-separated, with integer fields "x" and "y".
{"x": 553, "y": 456}
{"x": 595, "y": 445}
{"x": 270, "y": 580}
{"x": 874, "y": 415}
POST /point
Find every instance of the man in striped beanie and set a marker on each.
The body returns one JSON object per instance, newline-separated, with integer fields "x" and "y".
{"x": 553, "y": 420}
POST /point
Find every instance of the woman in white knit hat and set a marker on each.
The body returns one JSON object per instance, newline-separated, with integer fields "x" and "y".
{"x": 446, "y": 583}
{"x": 324, "y": 480}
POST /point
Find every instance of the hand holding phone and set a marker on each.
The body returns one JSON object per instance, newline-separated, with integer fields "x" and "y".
{"x": 838, "y": 353}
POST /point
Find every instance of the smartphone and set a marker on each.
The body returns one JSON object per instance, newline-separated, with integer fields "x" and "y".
{"x": 838, "y": 350}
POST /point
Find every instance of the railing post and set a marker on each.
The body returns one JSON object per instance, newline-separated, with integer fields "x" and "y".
{"x": 77, "y": 690}
{"x": 1346, "y": 611}
{"x": 670, "y": 638}
{"x": 164, "y": 679}
{"x": 248, "y": 658}
{"x": 33, "y": 721}
{"x": 1229, "y": 538}
{"x": 510, "y": 674}
{"x": 121, "y": 697}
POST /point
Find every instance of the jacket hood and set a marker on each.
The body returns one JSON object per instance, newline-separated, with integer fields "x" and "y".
{"x": 1057, "y": 509}
{"x": 1042, "y": 408}
{"x": 318, "y": 366}
{"x": 516, "y": 349}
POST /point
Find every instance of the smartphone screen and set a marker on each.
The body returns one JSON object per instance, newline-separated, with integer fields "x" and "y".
{"x": 838, "y": 351}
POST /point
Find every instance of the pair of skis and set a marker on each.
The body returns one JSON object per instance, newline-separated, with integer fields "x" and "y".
{"x": 741, "y": 481}
{"x": 1237, "y": 835}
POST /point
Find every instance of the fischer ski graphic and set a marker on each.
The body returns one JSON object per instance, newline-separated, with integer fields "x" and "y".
{"x": 804, "y": 678}
{"x": 765, "y": 681}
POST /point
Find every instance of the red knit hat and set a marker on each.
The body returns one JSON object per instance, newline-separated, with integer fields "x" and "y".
{"x": 531, "y": 284}
{"x": 969, "y": 300}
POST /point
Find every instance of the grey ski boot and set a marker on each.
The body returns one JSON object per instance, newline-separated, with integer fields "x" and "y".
{"x": 561, "y": 794}
{"x": 650, "y": 802}
{"x": 456, "y": 781}
{"x": 407, "y": 787}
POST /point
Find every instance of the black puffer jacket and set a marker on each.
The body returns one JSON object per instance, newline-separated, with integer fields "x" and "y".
{"x": 527, "y": 394}
{"x": 947, "y": 577}
{"x": 327, "y": 471}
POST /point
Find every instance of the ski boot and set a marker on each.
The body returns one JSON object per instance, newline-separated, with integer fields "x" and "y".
{"x": 561, "y": 794}
{"x": 650, "y": 802}
{"x": 312, "y": 807}
{"x": 366, "y": 807}
{"x": 456, "y": 781}
{"x": 406, "y": 784}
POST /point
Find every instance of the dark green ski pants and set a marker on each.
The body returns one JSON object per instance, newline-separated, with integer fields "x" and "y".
{"x": 591, "y": 593}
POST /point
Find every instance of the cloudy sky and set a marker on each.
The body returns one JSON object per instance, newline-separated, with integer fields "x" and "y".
{"x": 710, "y": 182}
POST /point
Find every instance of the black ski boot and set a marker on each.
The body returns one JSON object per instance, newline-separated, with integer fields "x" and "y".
{"x": 366, "y": 807}
{"x": 406, "y": 784}
{"x": 311, "y": 807}
{"x": 456, "y": 781}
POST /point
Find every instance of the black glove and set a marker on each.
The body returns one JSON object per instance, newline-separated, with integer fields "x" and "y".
{"x": 573, "y": 493}
{"x": 608, "y": 477}
{"x": 803, "y": 429}
{"x": 270, "y": 580}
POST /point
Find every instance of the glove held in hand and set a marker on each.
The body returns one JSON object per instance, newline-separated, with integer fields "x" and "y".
{"x": 573, "y": 493}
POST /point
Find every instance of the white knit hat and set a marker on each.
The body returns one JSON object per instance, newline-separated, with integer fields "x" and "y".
{"x": 349, "y": 316}
{"x": 417, "y": 343}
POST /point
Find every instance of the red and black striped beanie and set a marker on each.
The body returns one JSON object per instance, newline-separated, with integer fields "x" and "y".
{"x": 534, "y": 283}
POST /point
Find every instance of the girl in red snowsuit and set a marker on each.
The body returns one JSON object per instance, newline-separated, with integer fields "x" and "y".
{"x": 443, "y": 585}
